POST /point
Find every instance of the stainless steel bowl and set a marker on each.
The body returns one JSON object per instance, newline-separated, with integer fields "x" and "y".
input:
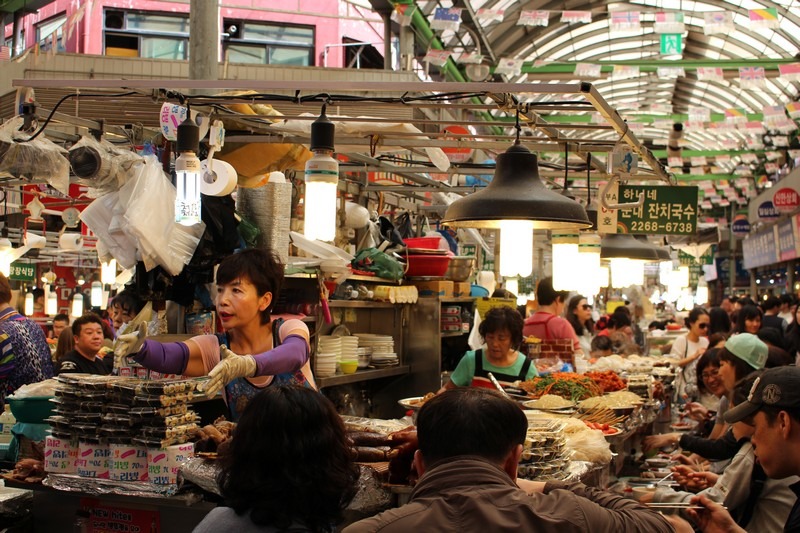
{"x": 460, "y": 268}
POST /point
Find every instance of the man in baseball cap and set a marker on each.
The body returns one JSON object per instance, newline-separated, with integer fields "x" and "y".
{"x": 773, "y": 408}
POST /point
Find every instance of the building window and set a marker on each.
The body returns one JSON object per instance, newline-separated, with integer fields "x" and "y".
{"x": 50, "y": 34}
{"x": 268, "y": 44}
{"x": 134, "y": 34}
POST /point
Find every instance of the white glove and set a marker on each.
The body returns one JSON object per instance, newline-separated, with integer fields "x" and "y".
{"x": 127, "y": 344}
{"x": 230, "y": 367}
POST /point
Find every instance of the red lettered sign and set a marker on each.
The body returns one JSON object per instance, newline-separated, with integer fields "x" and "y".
{"x": 786, "y": 200}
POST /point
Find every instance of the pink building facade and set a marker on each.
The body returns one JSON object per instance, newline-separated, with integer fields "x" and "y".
{"x": 251, "y": 31}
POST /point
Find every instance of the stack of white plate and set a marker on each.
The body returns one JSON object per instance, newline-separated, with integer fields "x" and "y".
{"x": 382, "y": 349}
{"x": 349, "y": 348}
{"x": 329, "y": 352}
{"x": 329, "y": 345}
{"x": 324, "y": 365}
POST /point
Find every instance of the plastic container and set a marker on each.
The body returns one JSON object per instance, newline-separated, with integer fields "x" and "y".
{"x": 31, "y": 410}
{"x": 434, "y": 266}
{"x": 7, "y": 421}
{"x": 427, "y": 243}
{"x": 348, "y": 367}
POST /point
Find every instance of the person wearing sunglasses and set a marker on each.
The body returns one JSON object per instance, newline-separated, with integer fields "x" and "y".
{"x": 686, "y": 350}
{"x": 579, "y": 315}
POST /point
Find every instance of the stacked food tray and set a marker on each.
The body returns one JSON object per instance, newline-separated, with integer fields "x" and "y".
{"x": 641, "y": 385}
{"x": 115, "y": 427}
{"x": 544, "y": 456}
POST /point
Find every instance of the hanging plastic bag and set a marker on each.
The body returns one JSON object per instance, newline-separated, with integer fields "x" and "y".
{"x": 382, "y": 265}
{"x": 404, "y": 226}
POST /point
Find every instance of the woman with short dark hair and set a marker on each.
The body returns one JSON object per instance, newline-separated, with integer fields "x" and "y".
{"x": 748, "y": 319}
{"x": 288, "y": 466}
{"x": 248, "y": 284}
{"x": 501, "y": 330}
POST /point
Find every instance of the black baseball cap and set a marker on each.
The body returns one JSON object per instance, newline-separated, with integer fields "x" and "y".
{"x": 776, "y": 387}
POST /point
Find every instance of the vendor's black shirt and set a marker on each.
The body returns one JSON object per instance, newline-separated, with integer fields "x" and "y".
{"x": 793, "y": 522}
{"x": 75, "y": 362}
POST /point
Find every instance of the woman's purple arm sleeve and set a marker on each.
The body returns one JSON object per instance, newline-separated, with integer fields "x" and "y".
{"x": 167, "y": 358}
{"x": 288, "y": 357}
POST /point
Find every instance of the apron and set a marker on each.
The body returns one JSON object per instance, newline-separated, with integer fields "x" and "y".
{"x": 239, "y": 391}
{"x": 481, "y": 376}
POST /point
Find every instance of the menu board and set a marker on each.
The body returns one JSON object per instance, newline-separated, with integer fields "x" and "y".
{"x": 665, "y": 211}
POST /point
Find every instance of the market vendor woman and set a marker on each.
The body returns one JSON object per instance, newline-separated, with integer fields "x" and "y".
{"x": 501, "y": 330}
{"x": 248, "y": 283}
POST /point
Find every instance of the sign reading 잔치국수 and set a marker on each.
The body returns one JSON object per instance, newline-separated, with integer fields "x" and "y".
{"x": 22, "y": 272}
{"x": 666, "y": 210}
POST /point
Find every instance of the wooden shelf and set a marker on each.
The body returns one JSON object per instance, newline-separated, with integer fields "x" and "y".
{"x": 363, "y": 375}
{"x": 361, "y": 304}
{"x": 453, "y": 333}
{"x": 460, "y": 300}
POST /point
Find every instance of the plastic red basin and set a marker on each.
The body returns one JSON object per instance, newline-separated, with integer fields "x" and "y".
{"x": 426, "y": 243}
{"x": 434, "y": 266}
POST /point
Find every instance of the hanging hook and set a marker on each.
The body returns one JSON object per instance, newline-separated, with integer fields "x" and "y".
{"x": 631, "y": 205}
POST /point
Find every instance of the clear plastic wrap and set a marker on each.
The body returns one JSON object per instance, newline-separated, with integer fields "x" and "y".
{"x": 101, "y": 165}
{"x": 39, "y": 159}
{"x": 95, "y": 486}
{"x": 101, "y": 217}
{"x": 150, "y": 217}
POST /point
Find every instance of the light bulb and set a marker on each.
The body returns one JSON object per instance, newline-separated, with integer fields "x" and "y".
{"x": 322, "y": 178}
{"x": 52, "y": 303}
{"x": 626, "y": 272}
{"x": 664, "y": 269}
{"x": 516, "y": 248}
{"x": 29, "y": 304}
{"x": 188, "y": 173}
{"x": 96, "y": 294}
{"x": 5, "y": 263}
{"x": 81, "y": 280}
{"x": 77, "y": 305}
{"x": 565, "y": 261}
{"x": 108, "y": 272}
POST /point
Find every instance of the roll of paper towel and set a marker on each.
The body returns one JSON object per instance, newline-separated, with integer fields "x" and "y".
{"x": 222, "y": 182}
{"x": 70, "y": 241}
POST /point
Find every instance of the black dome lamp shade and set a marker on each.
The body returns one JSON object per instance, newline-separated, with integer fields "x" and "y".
{"x": 516, "y": 193}
{"x": 623, "y": 245}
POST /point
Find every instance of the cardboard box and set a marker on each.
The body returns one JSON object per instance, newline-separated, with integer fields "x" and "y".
{"x": 440, "y": 289}
{"x": 462, "y": 289}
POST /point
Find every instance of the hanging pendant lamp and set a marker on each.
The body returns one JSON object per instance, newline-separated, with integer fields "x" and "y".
{"x": 627, "y": 256}
{"x": 623, "y": 245}
{"x": 516, "y": 193}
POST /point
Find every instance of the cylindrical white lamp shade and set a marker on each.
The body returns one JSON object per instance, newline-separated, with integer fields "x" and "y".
{"x": 322, "y": 178}
{"x": 701, "y": 295}
{"x": 29, "y": 304}
{"x": 588, "y": 279}
{"x": 77, "y": 305}
{"x": 516, "y": 248}
{"x": 108, "y": 272}
{"x": 97, "y": 294}
{"x": 603, "y": 274}
{"x": 684, "y": 276}
{"x": 5, "y": 263}
{"x": 512, "y": 285}
{"x": 626, "y": 272}
{"x": 565, "y": 261}
{"x": 52, "y": 303}
{"x": 664, "y": 269}
{"x": 188, "y": 173}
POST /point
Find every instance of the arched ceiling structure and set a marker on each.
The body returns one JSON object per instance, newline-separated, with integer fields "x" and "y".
{"x": 551, "y": 53}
